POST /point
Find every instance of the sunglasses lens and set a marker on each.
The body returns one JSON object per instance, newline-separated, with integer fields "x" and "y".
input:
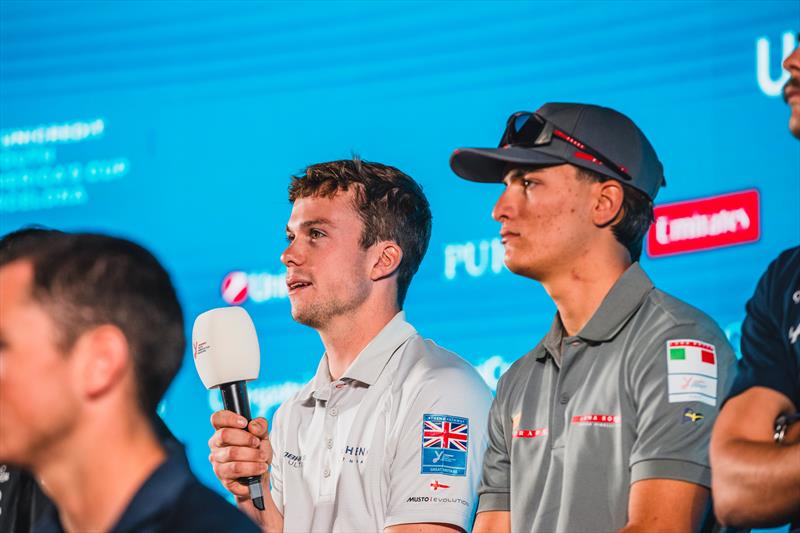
{"x": 520, "y": 121}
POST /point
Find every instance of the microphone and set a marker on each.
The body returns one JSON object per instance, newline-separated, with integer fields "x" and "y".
{"x": 226, "y": 354}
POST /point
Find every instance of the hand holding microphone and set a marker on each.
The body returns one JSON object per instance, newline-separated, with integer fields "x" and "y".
{"x": 226, "y": 354}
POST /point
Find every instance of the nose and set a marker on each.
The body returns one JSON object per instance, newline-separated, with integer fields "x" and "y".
{"x": 792, "y": 62}
{"x": 502, "y": 208}
{"x": 292, "y": 255}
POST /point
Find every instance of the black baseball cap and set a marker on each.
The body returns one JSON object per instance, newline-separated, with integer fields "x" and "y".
{"x": 588, "y": 136}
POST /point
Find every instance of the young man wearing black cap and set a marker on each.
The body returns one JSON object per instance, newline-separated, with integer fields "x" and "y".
{"x": 757, "y": 465}
{"x": 605, "y": 424}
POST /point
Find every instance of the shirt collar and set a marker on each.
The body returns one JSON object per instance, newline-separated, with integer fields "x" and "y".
{"x": 370, "y": 362}
{"x": 155, "y": 497}
{"x": 621, "y": 302}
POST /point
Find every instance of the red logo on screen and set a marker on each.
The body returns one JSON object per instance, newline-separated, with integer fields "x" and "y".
{"x": 234, "y": 287}
{"x": 705, "y": 223}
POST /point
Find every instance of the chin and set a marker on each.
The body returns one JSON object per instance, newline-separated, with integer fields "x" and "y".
{"x": 527, "y": 271}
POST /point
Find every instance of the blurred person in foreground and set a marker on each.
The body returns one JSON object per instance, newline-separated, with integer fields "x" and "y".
{"x": 604, "y": 425}
{"x": 755, "y": 449}
{"x": 390, "y": 433}
{"x": 91, "y": 335}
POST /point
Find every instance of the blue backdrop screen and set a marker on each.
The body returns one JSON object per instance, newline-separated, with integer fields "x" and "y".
{"x": 178, "y": 125}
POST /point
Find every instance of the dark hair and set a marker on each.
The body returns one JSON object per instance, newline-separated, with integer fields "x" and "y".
{"x": 636, "y": 210}
{"x": 87, "y": 280}
{"x": 391, "y": 205}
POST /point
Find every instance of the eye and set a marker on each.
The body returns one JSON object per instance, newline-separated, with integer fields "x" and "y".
{"x": 526, "y": 183}
{"x": 289, "y": 237}
{"x": 315, "y": 234}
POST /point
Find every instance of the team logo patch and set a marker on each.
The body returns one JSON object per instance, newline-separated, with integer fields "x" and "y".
{"x": 445, "y": 441}
{"x": 691, "y": 371}
{"x": 690, "y": 415}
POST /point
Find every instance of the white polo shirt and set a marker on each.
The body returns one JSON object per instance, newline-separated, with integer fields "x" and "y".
{"x": 398, "y": 439}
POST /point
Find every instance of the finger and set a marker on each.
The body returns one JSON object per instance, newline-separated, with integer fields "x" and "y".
{"x": 229, "y": 454}
{"x": 237, "y": 489}
{"x": 228, "y": 419}
{"x": 258, "y": 427}
{"x": 233, "y": 437}
{"x": 233, "y": 471}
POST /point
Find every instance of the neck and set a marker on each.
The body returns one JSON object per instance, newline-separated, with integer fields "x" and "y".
{"x": 94, "y": 473}
{"x": 345, "y": 336}
{"x": 579, "y": 289}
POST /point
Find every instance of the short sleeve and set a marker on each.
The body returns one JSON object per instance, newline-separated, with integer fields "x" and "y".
{"x": 276, "y": 468}
{"x": 495, "y": 487}
{"x": 676, "y": 386}
{"x": 766, "y": 360}
{"x": 437, "y": 463}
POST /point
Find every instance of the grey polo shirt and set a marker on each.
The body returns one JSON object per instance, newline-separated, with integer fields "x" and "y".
{"x": 398, "y": 439}
{"x": 632, "y": 396}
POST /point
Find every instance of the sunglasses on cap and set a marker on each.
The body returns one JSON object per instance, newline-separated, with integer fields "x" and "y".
{"x": 528, "y": 130}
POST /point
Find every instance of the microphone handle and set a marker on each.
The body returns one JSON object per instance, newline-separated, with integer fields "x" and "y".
{"x": 234, "y": 398}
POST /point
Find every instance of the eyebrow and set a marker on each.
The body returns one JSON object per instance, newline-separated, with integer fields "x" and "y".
{"x": 314, "y": 222}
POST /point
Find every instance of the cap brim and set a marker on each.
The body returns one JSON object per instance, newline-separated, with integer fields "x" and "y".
{"x": 486, "y": 165}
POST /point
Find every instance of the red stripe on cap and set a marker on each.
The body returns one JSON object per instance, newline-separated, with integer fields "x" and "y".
{"x": 588, "y": 157}
{"x": 573, "y": 141}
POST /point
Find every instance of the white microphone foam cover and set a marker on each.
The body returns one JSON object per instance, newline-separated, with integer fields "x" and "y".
{"x": 225, "y": 346}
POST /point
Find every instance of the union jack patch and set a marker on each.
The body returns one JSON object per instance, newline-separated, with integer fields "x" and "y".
{"x": 445, "y": 444}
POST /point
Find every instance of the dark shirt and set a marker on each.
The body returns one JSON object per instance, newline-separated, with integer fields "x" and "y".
{"x": 171, "y": 499}
{"x": 22, "y": 502}
{"x": 771, "y": 334}
{"x": 771, "y": 331}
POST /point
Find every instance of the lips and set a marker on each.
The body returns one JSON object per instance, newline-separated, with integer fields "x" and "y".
{"x": 791, "y": 92}
{"x": 506, "y": 235}
{"x": 297, "y": 283}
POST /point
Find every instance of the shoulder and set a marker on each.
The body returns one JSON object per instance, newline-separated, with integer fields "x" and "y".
{"x": 429, "y": 368}
{"x": 670, "y": 315}
{"x": 199, "y": 508}
{"x": 782, "y": 273}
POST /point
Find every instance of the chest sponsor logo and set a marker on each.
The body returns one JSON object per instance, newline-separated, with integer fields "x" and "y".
{"x": 445, "y": 444}
{"x": 691, "y": 371}
{"x": 530, "y": 433}
{"x": 354, "y": 454}
{"x": 705, "y": 223}
{"x": 293, "y": 460}
{"x": 596, "y": 420}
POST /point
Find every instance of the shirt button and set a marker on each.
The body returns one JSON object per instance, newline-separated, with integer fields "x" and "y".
{"x": 329, "y": 443}
{"x": 333, "y": 411}
{"x": 575, "y": 343}
{"x": 564, "y": 398}
{"x": 326, "y": 472}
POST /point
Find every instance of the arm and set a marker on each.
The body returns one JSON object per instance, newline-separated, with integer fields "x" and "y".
{"x": 665, "y": 505}
{"x": 748, "y": 466}
{"x": 493, "y": 522}
{"x": 432, "y": 482}
{"x": 239, "y": 450}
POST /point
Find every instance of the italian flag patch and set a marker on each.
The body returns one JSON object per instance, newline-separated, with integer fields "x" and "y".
{"x": 692, "y": 371}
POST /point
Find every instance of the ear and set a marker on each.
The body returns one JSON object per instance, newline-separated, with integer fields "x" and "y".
{"x": 103, "y": 356}
{"x": 387, "y": 260}
{"x": 608, "y": 203}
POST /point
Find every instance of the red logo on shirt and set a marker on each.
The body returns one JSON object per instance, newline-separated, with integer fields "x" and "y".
{"x": 600, "y": 420}
{"x": 530, "y": 433}
{"x": 436, "y": 485}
